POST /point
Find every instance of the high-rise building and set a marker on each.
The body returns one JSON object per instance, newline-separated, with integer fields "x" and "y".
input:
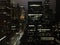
{"x": 9, "y": 20}
{"x": 5, "y": 20}
{"x": 38, "y": 30}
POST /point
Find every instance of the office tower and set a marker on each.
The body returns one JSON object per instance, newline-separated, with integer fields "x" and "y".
{"x": 38, "y": 30}
{"x": 34, "y": 14}
{"x": 45, "y": 34}
{"x": 5, "y": 20}
{"x": 5, "y": 15}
